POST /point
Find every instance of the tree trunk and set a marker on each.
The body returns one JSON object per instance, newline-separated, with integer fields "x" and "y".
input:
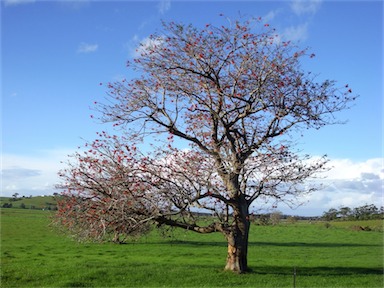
{"x": 238, "y": 241}
{"x": 237, "y": 257}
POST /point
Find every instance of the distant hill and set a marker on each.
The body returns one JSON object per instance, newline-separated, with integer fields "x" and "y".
{"x": 36, "y": 202}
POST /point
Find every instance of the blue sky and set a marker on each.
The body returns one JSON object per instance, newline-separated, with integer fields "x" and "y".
{"x": 55, "y": 54}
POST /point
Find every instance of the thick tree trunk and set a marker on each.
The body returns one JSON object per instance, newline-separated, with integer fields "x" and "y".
{"x": 238, "y": 241}
{"x": 236, "y": 259}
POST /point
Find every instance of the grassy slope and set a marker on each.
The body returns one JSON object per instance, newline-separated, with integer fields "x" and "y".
{"x": 39, "y": 202}
{"x": 33, "y": 255}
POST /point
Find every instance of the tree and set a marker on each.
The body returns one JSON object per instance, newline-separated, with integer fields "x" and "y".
{"x": 238, "y": 98}
{"x": 331, "y": 214}
{"x": 15, "y": 197}
{"x": 365, "y": 212}
{"x": 345, "y": 212}
{"x": 275, "y": 217}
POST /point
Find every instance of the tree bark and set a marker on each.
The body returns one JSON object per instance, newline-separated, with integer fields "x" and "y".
{"x": 237, "y": 260}
{"x": 237, "y": 238}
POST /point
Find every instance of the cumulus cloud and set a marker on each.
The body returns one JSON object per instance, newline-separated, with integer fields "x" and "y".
{"x": 87, "y": 48}
{"x": 349, "y": 169}
{"x": 31, "y": 175}
{"x": 300, "y": 7}
{"x": 369, "y": 176}
{"x": 349, "y": 183}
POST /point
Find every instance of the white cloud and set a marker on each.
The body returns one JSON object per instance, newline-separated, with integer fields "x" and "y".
{"x": 349, "y": 183}
{"x": 300, "y": 7}
{"x": 141, "y": 45}
{"x": 15, "y": 172}
{"x": 32, "y": 175}
{"x": 296, "y": 33}
{"x": 348, "y": 169}
{"x": 164, "y": 6}
{"x": 87, "y": 48}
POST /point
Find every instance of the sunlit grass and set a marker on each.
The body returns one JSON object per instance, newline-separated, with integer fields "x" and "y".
{"x": 34, "y": 255}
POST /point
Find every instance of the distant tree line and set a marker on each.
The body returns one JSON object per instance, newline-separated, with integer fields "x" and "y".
{"x": 15, "y": 197}
{"x": 47, "y": 206}
{"x": 31, "y": 205}
{"x": 365, "y": 212}
{"x": 275, "y": 217}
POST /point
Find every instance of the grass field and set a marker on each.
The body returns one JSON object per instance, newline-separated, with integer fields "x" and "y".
{"x": 37, "y": 202}
{"x": 33, "y": 255}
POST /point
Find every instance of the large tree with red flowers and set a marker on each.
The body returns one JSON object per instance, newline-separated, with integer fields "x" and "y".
{"x": 237, "y": 94}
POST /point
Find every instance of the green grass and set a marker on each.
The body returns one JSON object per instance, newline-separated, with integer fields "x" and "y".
{"x": 34, "y": 255}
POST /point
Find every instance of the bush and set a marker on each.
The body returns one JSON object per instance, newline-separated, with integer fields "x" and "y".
{"x": 7, "y": 205}
{"x": 264, "y": 220}
{"x": 292, "y": 219}
{"x": 275, "y": 218}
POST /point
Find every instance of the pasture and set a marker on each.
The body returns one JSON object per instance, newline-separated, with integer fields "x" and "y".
{"x": 35, "y": 255}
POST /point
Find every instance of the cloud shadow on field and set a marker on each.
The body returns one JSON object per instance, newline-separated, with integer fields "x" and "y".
{"x": 260, "y": 244}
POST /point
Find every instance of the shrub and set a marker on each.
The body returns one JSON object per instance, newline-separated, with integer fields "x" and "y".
{"x": 264, "y": 220}
{"x": 292, "y": 219}
{"x": 7, "y": 205}
{"x": 275, "y": 218}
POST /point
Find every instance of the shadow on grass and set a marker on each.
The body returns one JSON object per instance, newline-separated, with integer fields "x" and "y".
{"x": 316, "y": 271}
{"x": 259, "y": 244}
